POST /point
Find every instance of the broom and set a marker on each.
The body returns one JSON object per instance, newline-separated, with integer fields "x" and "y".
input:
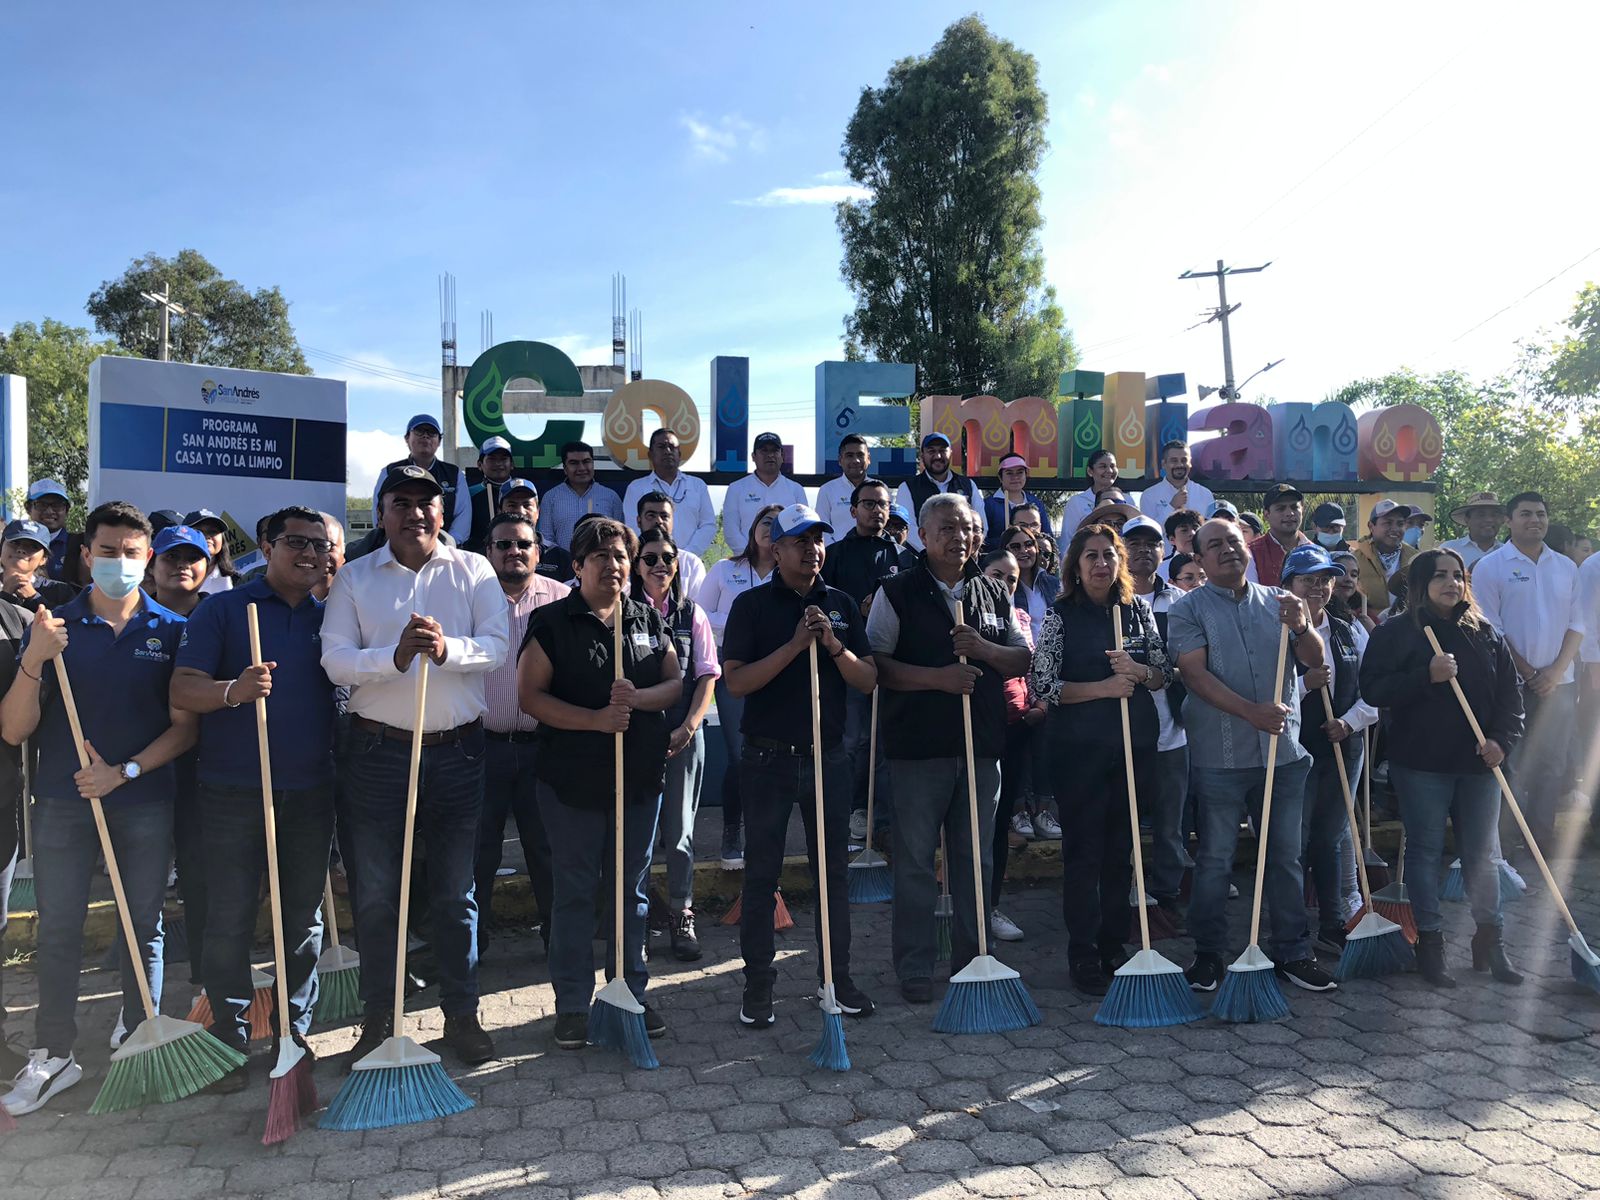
{"x": 1251, "y": 992}
{"x": 338, "y": 969}
{"x": 165, "y": 1059}
{"x": 24, "y": 896}
{"x": 1372, "y": 947}
{"x": 1394, "y": 901}
{"x": 781, "y": 919}
{"x": 259, "y": 1014}
{"x": 1585, "y": 963}
{"x": 985, "y": 996}
{"x": 830, "y": 1053}
{"x": 1454, "y": 886}
{"x": 293, "y": 1094}
{"x": 870, "y": 879}
{"x": 616, "y": 1018}
{"x": 1148, "y": 991}
{"x": 943, "y": 911}
{"x": 1377, "y": 866}
{"x": 399, "y": 1083}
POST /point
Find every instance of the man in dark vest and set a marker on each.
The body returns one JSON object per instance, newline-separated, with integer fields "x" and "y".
{"x": 935, "y": 477}
{"x": 918, "y": 644}
{"x": 422, "y": 439}
{"x": 483, "y": 489}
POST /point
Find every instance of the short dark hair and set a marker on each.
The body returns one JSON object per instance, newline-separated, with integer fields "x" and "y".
{"x": 507, "y": 518}
{"x": 294, "y": 512}
{"x": 869, "y": 482}
{"x": 1178, "y": 518}
{"x": 1525, "y": 498}
{"x": 658, "y": 432}
{"x": 1096, "y": 457}
{"x": 853, "y": 439}
{"x": 1174, "y": 444}
{"x": 576, "y": 448}
{"x": 591, "y": 535}
{"x": 116, "y": 512}
{"x": 1178, "y": 562}
{"x": 989, "y": 558}
{"x": 1030, "y": 506}
{"x": 653, "y": 498}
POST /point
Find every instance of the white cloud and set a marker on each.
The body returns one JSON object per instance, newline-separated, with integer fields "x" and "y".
{"x": 368, "y": 451}
{"x": 838, "y": 176}
{"x": 822, "y": 193}
{"x": 716, "y": 141}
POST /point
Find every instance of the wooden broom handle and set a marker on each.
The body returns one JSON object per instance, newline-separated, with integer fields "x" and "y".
{"x": 413, "y": 776}
{"x": 123, "y": 912}
{"x": 269, "y": 819}
{"x": 617, "y": 779}
{"x": 331, "y": 919}
{"x": 972, "y": 803}
{"x": 1349, "y": 807}
{"x": 1133, "y": 795}
{"x": 872, "y": 763}
{"x": 1266, "y": 792}
{"x": 1505, "y": 789}
{"x": 816, "y": 788}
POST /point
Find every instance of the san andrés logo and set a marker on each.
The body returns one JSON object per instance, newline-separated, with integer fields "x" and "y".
{"x": 211, "y": 392}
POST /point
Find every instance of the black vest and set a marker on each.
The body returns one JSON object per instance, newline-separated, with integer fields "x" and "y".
{"x": 921, "y": 488}
{"x": 680, "y": 623}
{"x": 927, "y": 724}
{"x": 1345, "y": 686}
{"x": 448, "y": 477}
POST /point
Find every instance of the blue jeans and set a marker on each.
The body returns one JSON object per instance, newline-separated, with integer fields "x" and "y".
{"x": 680, "y": 805}
{"x": 730, "y": 711}
{"x": 235, "y": 844}
{"x": 775, "y": 782}
{"x": 585, "y": 836}
{"x": 1169, "y": 856}
{"x": 449, "y": 797}
{"x": 936, "y": 800}
{"x": 1223, "y": 796}
{"x": 509, "y": 786}
{"x": 1537, "y": 767}
{"x": 1326, "y": 837}
{"x": 1472, "y": 804}
{"x": 65, "y": 855}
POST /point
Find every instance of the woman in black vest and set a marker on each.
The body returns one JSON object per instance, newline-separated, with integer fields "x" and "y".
{"x": 656, "y": 583}
{"x": 1310, "y": 573}
{"x": 1082, "y": 677}
{"x": 566, "y": 682}
{"x": 1438, "y": 770}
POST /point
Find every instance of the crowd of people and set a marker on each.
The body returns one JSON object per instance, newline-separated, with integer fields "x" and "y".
{"x": 906, "y": 602}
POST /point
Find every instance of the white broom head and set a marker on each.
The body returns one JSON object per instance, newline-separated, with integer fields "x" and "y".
{"x": 157, "y": 1031}
{"x": 396, "y": 1052}
{"x": 1149, "y": 962}
{"x": 1252, "y": 960}
{"x": 618, "y": 992}
{"x": 338, "y": 958}
{"x": 829, "y": 1001}
{"x": 260, "y": 980}
{"x": 290, "y": 1052}
{"x": 869, "y": 858}
{"x": 1372, "y": 925}
{"x": 985, "y": 968}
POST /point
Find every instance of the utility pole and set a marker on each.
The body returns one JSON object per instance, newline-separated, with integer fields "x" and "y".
{"x": 1221, "y": 314}
{"x": 163, "y": 300}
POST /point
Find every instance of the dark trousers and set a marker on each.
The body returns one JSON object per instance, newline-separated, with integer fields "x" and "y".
{"x": 189, "y": 856}
{"x": 773, "y": 782}
{"x": 730, "y": 711}
{"x": 236, "y": 863}
{"x": 1013, "y": 778}
{"x": 1325, "y": 832}
{"x": 449, "y": 797}
{"x": 1091, "y": 784}
{"x": 1537, "y": 767}
{"x": 509, "y": 787}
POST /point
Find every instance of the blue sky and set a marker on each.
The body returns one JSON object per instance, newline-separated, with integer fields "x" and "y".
{"x": 1409, "y": 173}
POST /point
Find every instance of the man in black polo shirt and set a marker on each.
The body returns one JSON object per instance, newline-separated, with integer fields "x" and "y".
{"x": 765, "y": 659}
{"x": 915, "y": 637}
{"x": 23, "y": 559}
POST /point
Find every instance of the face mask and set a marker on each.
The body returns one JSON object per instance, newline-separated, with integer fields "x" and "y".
{"x": 1329, "y": 540}
{"x": 116, "y": 577}
{"x": 1414, "y": 536}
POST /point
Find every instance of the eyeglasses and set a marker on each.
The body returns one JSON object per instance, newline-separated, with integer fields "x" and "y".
{"x": 665, "y": 558}
{"x": 874, "y": 504}
{"x": 299, "y": 541}
{"x": 508, "y": 543}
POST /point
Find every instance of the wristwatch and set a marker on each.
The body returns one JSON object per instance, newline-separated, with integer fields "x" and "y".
{"x": 130, "y": 770}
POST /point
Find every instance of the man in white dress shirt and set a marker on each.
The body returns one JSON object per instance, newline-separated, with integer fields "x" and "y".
{"x": 1483, "y": 515}
{"x": 414, "y": 596}
{"x": 1529, "y": 592}
{"x": 936, "y": 476}
{"x": 767, "y": 484}
{"x": 1176, "y": 490}
{"x": 833, "y": 497}
{"x": 696, "y": 517}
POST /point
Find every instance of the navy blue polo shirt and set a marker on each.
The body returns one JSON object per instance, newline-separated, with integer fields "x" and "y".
{"x": 300, "y": 714}
{"x": 121, "y": 685}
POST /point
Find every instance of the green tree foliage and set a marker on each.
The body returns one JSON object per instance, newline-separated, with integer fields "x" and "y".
{"x": 54, "y": 358}
{"x": 944, "y": 258}
{"x": 1573, "y": 370}
{"x": 228, "y": 325}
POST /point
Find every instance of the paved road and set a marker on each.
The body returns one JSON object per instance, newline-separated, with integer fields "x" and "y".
{"x": 1387, "y": 1089}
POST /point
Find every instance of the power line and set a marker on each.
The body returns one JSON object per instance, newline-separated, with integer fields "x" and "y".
{"x": 1525, "y": 296}
{"x": 388, "y": 374}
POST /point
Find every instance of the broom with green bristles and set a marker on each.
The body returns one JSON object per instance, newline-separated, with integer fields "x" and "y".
{"x": 338, "y": 968}
{"x": 23, "y": 895}
{"x": 869, "y": 877}
{"x": 164, "y": 1059}
{"x": 1585, "y": 963}
{"x": 399, "y": 1083}
{"x": 830, "y": 1052}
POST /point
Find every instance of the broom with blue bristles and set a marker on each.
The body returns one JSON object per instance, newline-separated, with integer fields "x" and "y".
{"x": 616, "y": 1018}
{"x": 1250, "y": 991}
{"x": 985, "y": 996}
{"x": 1148, "y": 991}
{"x": 399, "y": 1083}
{"x": 1585, "y": 962}
{"x": 870, "y": 879}
{"x": 165, "y": 1059}
{"x": 23, "y": 895}
{"x": 830, "y": 1053}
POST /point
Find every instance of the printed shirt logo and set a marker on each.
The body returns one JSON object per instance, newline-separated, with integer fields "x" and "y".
{"x": 152, "y": 651}
{"x": 1519, "y": 577}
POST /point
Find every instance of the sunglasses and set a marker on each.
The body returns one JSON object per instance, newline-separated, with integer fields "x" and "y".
{"x": 1014, "y": 546}
{"x": 299, "y": 541}
{"x": 653, "y": 558}
{"x": 508, "y": 543}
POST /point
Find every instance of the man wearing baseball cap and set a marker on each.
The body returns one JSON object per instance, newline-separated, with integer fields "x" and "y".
{"x": 494, "y": 468}
{"x": 1484, "y": 516}
{"x": 520, "y": 498}
{"x": 1383, "y": 553}
{"x": 422, "y": 440}
{"x": 1415, "y": 524}
{"x": 24, "y": 553}
{"x": 767, "y": 484}
{"x": 935, "y": 477}
{"x": 1284, "y": 506}
{"x": 1013, "y": 494}
{"x": 1327, "y": 523}
{"x": 48, "y": 504}
{"x": 766, "y": 660}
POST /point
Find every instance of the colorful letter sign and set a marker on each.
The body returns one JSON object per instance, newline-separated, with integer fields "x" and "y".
{"x": 622, "y": 427}
{"x": 841, "y": 410}
{"x": 1401, "y": 444}
{"x": 486, "y": 381}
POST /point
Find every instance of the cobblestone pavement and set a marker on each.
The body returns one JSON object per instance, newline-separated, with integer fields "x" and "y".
{"x": 1385, "y": 1089}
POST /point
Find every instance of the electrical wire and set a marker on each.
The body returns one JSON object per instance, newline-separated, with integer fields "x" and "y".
{"x": 389, "y": 374}
{"x": 1499, "y": 312}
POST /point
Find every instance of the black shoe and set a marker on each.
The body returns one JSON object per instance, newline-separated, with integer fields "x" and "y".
{"x": 468, "y": 1039}
{"x": 660, "y": 917}
{"x": 1430, "y": 959}
{"x": 1331, "y": 938}
{"x": 234, "y": 1081}
{"x": 1111, "y": 960}
{"x": 376, "y": 1028}
{"x": 852, "y": 1000}
{"x": 1489, "y": 954}
{"x": 1204, "y": 973}
{"x": 1089, "y": 976}
{"x": 732, "y": 848}
{"x": 685, "y": 945}
{"x": 916, "y": 991}
{"x": 572, "y": 1031}
{"x": 1304, "y": 973}
{"x": 1176, "y": 913}
{"x": 756, "y": 1008}
{"x": 654, "y": 1024}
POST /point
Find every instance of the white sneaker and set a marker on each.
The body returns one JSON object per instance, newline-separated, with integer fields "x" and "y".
{"x": 1003, "y": 927}
{"x": 858, "y": 826}
{"x": 1047, "y": 827}
{"x": 120, "y": 1033}
{"x": 37, "y": 1082}
{"x": 1021, "y": 825}
{"x": 1233, "y": 891}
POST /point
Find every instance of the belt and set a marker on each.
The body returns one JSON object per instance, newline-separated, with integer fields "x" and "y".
{"x": 761, "y": 743}
{"x": 519, "y": 737}
{"x": 393, "y": 733}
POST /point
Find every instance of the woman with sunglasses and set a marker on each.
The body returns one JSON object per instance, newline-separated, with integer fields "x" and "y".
{"x": 1036, "y": 591}
{"x": 656, "y": 583}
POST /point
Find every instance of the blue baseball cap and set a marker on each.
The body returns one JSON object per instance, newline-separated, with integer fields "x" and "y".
{"x": 798, "y": 519}
{"x": 1221, "y": 508}
{"x": 898, "y": 512}
{"x": 47, "y": 487}
{"x": 428, "y": 419}
{"x": 174, "y": 536}
{"x": 933, "y": 437}
{"x": 518, "y": 485}
{"x": 24, "y": 530}
{"x": 163, "y": 518}
{"x": 1309, "y": 560}
{"x": 489, "y": 447}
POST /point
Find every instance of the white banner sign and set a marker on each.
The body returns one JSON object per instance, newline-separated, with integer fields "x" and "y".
{"x": 13, "y": 441}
